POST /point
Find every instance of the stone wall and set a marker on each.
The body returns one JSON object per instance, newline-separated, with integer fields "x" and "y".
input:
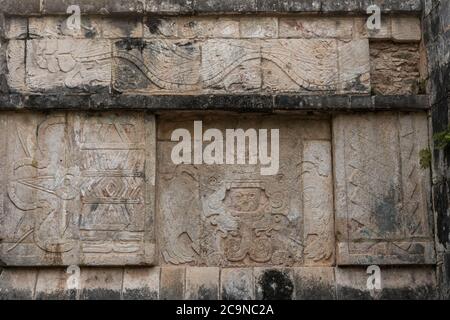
{"x": 436, "y": 28}
{"x": 86, "y": 176}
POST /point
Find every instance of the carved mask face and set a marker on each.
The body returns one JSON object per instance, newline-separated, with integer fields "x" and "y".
{"x": 245, "y": 199}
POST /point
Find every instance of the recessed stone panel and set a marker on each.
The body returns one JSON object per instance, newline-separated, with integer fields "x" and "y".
{"x": 381, "y": 193}
{"x": 232, "y": 215}
{"x": 79, "y": 189}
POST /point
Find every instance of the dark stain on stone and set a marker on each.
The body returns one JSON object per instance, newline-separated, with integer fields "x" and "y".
{"x": 140, "y": 294}
{"x": 16, "y": 294}
{"x": 356, "y": 85}
{"x": 130, "y": 44}
{"x": 207, "y": 293}
{"x": 100, "y": 294}
{"x": 386, "y": 213}
{"x": 311, "y": 290}
{"x": 276, "y": 285}
{"x": 153, "y": 25}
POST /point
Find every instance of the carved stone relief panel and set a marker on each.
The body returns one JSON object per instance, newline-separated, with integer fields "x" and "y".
{"x": 232, "y": 215}
{"x": 79, "y": 189}
{"x": 381, "y": 192}
{"x": 69, "y": 64}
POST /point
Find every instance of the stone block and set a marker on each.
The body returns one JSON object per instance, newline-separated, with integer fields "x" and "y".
{"x": 79, "y": 189}
{"x": 141, "y": 283}
{"x": 316, "y": 27}
{"x": 314, "y": 283}
{"x": 74, "y": 65}
{"x": 17, "y": 284}
{"x": 208, "y": 27}
{"x": 160, "y": 27}
{"x": 237, "y": 284}
{"x": 169, "y": 6}
{"x": 173, "y": 283}
{"x": 16, "y": 28}
{"x": 274, "y": 283}
{"x": 218, "y": 231}
{"x": 384, "y": 33}
{"x": 406, "y": 29}
{"x": 354, "y": 66}
{"x": 406, "y": 283}
{"x": 55, "y": 284}
{"x": 202, "y": 283}
{"x": 230, "y": 65}
{"x": 101, "y": 283}
{"x": 15, "y": 55}
{"x": 259, "y": 27}
{"x": 156, "y": 65}
{"x": 381, "y": 193}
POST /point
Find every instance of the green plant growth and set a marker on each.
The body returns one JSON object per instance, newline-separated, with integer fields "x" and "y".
{"x": 441, "y": 141}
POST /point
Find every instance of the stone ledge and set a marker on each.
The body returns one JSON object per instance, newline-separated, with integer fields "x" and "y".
{"x": 240, "y": 103}
{"x": 105, "y": 7}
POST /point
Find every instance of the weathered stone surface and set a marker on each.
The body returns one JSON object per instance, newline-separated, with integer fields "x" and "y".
{"x": 394, "y": 68}
{"x": 141, "y": 283}
{"x": 354, "y": 66}
{"x": 101, "y": 283}
{"x": 173, "y": 283}
{"x": 314, "y": 283}
{"x": 274, "y": 284}
{"x": 252, "y": 27}
{"x": 316, "y": 27}
{"x": 156, "y": 65}
{"x": 16, "y": 28}
{"x": 384, "y": 33}
{"x": 396, "y": 284}
{"x": 17, "y": 284}
{"x": 406, "y": 29}
{"x": 207, "y": 27}
{"x": 237, "y": 284}
{"x": 218, "y": 231}
{"x": 68, "y": 64}
{"x": 79, "y": 189}
{"x": 15, "y": 54}
{"x": 381, "y": 193}
{"x": 202, "y": 283}
{"x": 53, "y": 284}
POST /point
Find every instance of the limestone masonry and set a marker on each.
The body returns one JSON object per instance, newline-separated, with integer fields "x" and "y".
{"x": 87, "y": 179}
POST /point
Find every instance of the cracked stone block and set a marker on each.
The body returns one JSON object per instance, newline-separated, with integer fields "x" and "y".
{"x": 79, "y": 189}
{"x": 202, "y": 283}
{"x": 381, "y": 193}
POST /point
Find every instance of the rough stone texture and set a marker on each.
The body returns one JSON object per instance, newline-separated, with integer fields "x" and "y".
{"x": 101, "y": 283}
{"x": 274, "y": 283}
{"x": 202, "y": 283}
{"x": 237, "y": 284}
{"x": 76, "y": 65}
{"x": 141, "y": 284}
{"x": 381, "y": 193}
{"x": 79, "y": 189}
{"x": 436, "y": 22}
{"x": 173, "y": 283}
{"x": 222, "y": 227}
{"x": 52, "y": 284}
{"x": 17, "y": 284}
{"x": 314, "y": 283}
{"x": 396, "y": 284}
{"x": 395, "y": 68}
